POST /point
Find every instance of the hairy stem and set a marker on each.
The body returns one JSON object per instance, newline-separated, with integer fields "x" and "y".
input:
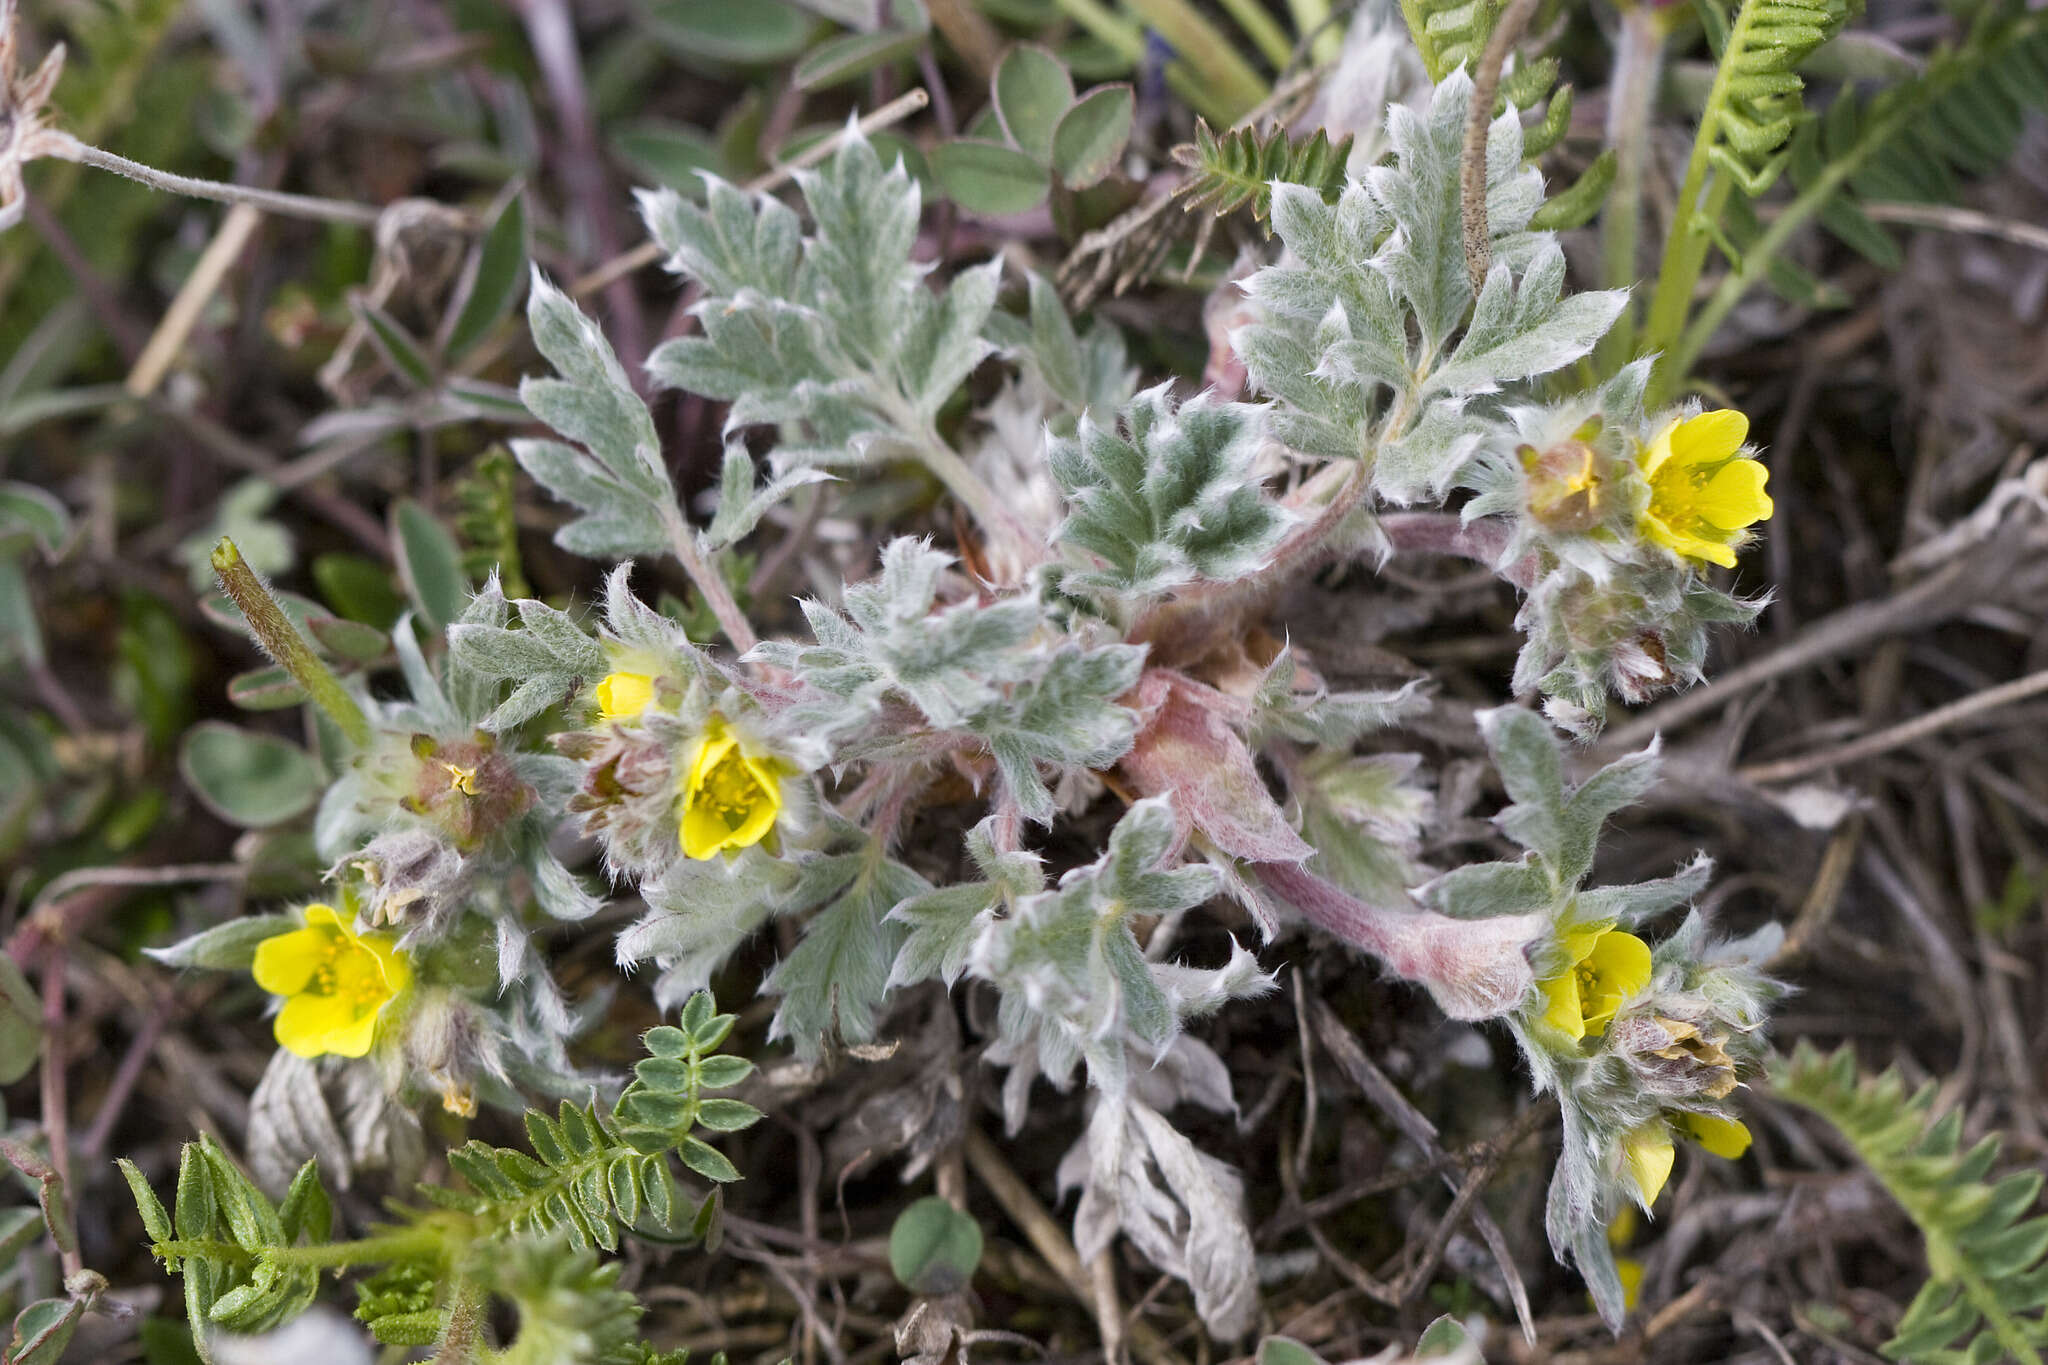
{"x": 282, "y": 641}
{"x": 1478, "y": 118}
{"x": 710, "y": 584}
{"x": 272, "y": 201}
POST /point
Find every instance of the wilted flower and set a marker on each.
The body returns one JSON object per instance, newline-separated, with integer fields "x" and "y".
{"x": 730, "y": 796}
{"x": 335, "y": 982}
{"x": 1605, "y": 967}
{"x": 622, "y": 696}
{"x": 1564, "y": 484}
{"x": 469, "y": 789}
{"x": 1704, "y": 493}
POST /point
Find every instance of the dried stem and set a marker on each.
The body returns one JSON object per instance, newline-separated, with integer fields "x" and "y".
{"x": 69, "y": 148}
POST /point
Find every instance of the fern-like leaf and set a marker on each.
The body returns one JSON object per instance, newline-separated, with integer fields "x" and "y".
{"x": 1756, "y": 103}
{"x": 1988, "y": 1264}
{"x": 1240, "y": 166}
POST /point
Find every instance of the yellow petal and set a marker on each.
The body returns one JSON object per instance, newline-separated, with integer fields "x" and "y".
{"x": 397, "y": 969}
{"x": 1562, "y": 1010}
{"x": 1710, "y": 436}
{"x": 1623, "y": 1228}
{"x": 1727, "y": 1138}
{"x": 1630, "y": 1272}
{"x": 1648, "y": 1155}
{"x": 1578, "y": 943}
{"x": 311, "y": 1025}
{"x": 622, "y": 696}
{"x": 286, "y": 962}
{"x": 1622, "y": 960}
{"x": 1653, "y": 455}
{"x": 1734, "y": 497}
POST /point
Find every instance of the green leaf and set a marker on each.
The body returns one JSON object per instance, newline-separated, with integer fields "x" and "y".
{"x": 21, "y": 1228}
{"x": 228, "y": 947}
{"x": 1286, "y": 1351}
{"x": 1032, "y": 90}
{"x": 43, "y": 1329}
{"x": 851, "y": 56}
{"x": 707, "y": 1161}
{"x": 246, "y": 778}
{"x": 668, "y": 153}
{"x": 358, "y": 588}
{"x": 833, "y": 982}
{"x": 265, "y": 689}
{"x": 749, "y": 32}
{"x": 492, "y": 280}
{"x": 400, "y": 349}
{"x": 934, "y": 1248}
{"x": 429, "y": 563}
{"x": 35, "y": 512}
{"x": 1090, "y": 137}
{"x": 21, "y": 1023}
{"x": 989, "y": 178}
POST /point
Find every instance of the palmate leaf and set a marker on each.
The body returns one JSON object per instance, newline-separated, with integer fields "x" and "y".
{"x": 978, "y": 670}
{"x": 1170, "y": 498}
{"x": 833, "y": 982}
{"x": 1076, "y": 986}
{"x": 1358, "y": 333}
{"x": 837, "y": 333}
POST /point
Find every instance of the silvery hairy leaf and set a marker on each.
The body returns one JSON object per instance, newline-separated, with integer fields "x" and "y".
{"x": 836, "y": 335}
{"x": 546, "y": 659}
{"x": 984, "y": 670}
{"x": 833, "y": 982}
{"x": 1166, "y": 497}
{"x": 613, "y": 472}
{"x": 1359, "y": 333}
{"x": 1075, "y": 985}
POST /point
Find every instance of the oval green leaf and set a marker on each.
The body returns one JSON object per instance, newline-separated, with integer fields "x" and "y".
{"x": 1091, "y": 136}
{"x": 1032, "y": 90}
{"x": 934, "y": 1247}
{"x": 989, "y": 178}
{"x": 851, "y": 56}
{"x": 1031, "y": 93}
{"x": 248, "y": 779}
{"x": 668, "y": 153}
{"x": 741, "y": 31}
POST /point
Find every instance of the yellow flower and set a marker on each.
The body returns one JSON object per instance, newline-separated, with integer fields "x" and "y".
{"x": 335, "y": 981}
{"x": 1727, "y": 1138}
{"x": 1704, "y": 494}
{"x": 622, "y": 696}
{"x": 730, "y": 797}
{"x": 1648, "y": 1155}
{"x": 1607, "y": 966}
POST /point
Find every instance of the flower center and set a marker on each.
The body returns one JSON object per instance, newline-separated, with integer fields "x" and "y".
{"x": 732, "y": 790}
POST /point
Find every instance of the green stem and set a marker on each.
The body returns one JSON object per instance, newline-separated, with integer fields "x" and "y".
{"x": 462, "y": 1341}
{"x": 1425, "y": 46}
{"x": 411, "y": 1244}
{"x": 1258, "y": 25}
{"x": 1685, "y": 248}
{"x": 1638, "y": 59}
{"x": 2009, "y": 1333}
{"x": 282, "y": 641}
{"x": 1313, "y": 16}
{"x": 1236, "y": 86}
{"x": 1128, "y": 41}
